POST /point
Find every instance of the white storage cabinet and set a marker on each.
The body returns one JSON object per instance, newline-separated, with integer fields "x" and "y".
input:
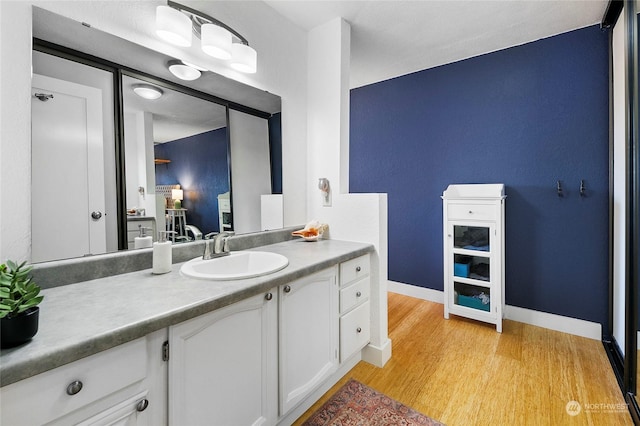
{"x": 355, "y": 308}
{"x": 473, "y": 224}
{"x": 121, "y": 386}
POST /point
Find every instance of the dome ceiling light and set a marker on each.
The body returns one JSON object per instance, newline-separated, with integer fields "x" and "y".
{"x": 147, "y": 91}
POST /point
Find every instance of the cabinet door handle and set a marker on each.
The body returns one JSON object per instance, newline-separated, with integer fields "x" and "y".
{"x": 287, "y": 288}
{"x": 359, "y": 330}
{"x": 142, "y": 404}
{"x": 358, "y": 269}
{"x": 470, "y": 212}
{"x": 74, "y": 387}
{"x": 268, "y": 296}
{"x": 358, "y": 294}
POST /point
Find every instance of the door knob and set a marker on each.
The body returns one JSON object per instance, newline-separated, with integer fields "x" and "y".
{"x": 268, "y": 296}
{"x": 96, "y": 215}
{"x": 287, "y": 289}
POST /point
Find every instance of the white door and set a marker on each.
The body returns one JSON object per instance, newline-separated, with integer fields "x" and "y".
{"x": 67, "y": 170}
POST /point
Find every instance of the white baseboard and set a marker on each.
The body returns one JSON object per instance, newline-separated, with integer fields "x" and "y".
{"x": 415, "y": 291}
{"x": 377, "y": 356}
{"x": 578, "y": 327}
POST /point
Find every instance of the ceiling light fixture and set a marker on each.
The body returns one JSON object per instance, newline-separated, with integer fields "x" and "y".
{"x": 147, "y": 91}
{"x": 183, "y": 71}
{"x": 217, "y": 39}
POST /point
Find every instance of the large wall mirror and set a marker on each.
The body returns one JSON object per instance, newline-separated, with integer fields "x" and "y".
{"x": 127, "y": 146}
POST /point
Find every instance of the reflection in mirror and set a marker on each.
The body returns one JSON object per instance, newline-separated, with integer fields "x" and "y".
{"x": 174, "y": 141}
{"x": 73, "y": 198}
{"x": 107, "y": 51}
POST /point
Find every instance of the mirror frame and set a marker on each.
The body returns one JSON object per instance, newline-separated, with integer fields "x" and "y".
{"x": 118, "y": 71}
{"x": 625, "y": 366}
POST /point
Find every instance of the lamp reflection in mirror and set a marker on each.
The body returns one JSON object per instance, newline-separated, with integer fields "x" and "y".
{"x": 177, "y": 196}
{"x": 147, "y": 91}
{"x": 217, "y": 38}
{"x": 183, "y": 71}
{"x": 173, "y": 26}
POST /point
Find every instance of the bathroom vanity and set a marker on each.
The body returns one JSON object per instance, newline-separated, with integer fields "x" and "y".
{"x": 138, "y": 348}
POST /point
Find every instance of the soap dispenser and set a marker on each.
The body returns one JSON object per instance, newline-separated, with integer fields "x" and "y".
{"x": 162, "y": 254}
{"x": 143, "y": 240}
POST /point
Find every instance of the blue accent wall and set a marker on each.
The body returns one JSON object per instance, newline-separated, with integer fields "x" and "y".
{"x": 526, "y": 116}
{"x": 199, "y": 164}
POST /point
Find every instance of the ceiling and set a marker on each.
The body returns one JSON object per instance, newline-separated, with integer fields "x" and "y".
{"x": 393, "y": 38}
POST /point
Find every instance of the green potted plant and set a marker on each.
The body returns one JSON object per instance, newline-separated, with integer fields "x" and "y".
{"x": 19, "y": 299}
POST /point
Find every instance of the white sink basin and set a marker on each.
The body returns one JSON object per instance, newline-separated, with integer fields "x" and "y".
{"x": 236, "y": 266}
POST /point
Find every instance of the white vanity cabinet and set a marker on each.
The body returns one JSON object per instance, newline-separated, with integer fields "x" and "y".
{"x": 223, "y": 365}
{"x": 308, "y": 335}
{"x": 355, "y": 323}
{"x": 120, "y": 386}
{"x": 473, "y": 224}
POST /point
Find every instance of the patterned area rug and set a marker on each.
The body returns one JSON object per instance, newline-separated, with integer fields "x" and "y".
{"x": 358, "y": 405}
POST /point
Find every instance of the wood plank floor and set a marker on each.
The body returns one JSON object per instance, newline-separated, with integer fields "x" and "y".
{"x": 463, "y": 372}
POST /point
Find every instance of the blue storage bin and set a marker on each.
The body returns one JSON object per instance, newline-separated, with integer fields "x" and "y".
{"x": 461, "y": 269}
{"x": 472, "y": 302}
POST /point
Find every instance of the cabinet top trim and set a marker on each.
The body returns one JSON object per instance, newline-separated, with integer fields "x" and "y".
{"x": 474, "y": 191}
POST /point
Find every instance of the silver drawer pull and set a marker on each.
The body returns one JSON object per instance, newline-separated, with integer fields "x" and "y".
{"x": 268, "y": 296}
{"x": 358, "y": 294}
{"x": 470, "y": 212}
{"x": 358, "y": 269}
{"x": 359, "y": 330}
{"x": 287, "y": 288}
{"x": 142, "y": 405}
{"x": 74, "y": 387}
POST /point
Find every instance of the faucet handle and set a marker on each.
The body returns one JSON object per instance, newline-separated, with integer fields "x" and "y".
{"x": 210, "y": 235}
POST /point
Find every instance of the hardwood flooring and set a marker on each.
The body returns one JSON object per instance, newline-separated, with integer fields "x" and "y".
{"x": 462, "y": 372}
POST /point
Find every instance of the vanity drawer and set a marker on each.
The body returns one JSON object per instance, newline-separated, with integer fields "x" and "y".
{"x": 472, "y": 211}
{"x": 355, "y": 331}
{"x": 355, "y": 294}
{"x": 354, "y": 269}
{"x": 44, "y": 398}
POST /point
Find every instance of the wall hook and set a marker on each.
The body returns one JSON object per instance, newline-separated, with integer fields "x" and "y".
{"x": 582, "y": 189}
{"x": 559, "y": 189}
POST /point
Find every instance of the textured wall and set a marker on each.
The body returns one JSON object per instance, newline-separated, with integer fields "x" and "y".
{"x": 199, "y": 165}
{"x": 526, "y": 117}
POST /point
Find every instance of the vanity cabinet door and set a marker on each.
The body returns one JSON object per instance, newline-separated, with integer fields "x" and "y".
{"x": 223, "y": 365}
{"x": 308, "y": 335}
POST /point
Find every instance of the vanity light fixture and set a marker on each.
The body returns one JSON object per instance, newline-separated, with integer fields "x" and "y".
{"x": 147, "y": 91}
{"x": 173, "y": 26}
{"x": 217, "y": 39}
{"x": 183, "y": 71}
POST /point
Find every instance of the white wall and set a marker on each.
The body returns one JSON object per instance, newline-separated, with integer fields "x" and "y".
{"x": 354, "y": 217}
{"x": 250, "y": 169}
{"x": 282, "y": 66}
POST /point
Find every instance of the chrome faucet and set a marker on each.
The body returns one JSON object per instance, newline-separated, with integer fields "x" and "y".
{"x": 216, "y": 246}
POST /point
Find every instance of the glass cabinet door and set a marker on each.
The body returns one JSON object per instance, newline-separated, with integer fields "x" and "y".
{"x": 471, "y": 266}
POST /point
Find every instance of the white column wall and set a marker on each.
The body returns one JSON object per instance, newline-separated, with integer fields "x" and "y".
{"x": 355, "y": 217}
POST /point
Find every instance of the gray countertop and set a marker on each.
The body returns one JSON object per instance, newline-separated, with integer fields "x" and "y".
{"x": 78, "y": 320}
